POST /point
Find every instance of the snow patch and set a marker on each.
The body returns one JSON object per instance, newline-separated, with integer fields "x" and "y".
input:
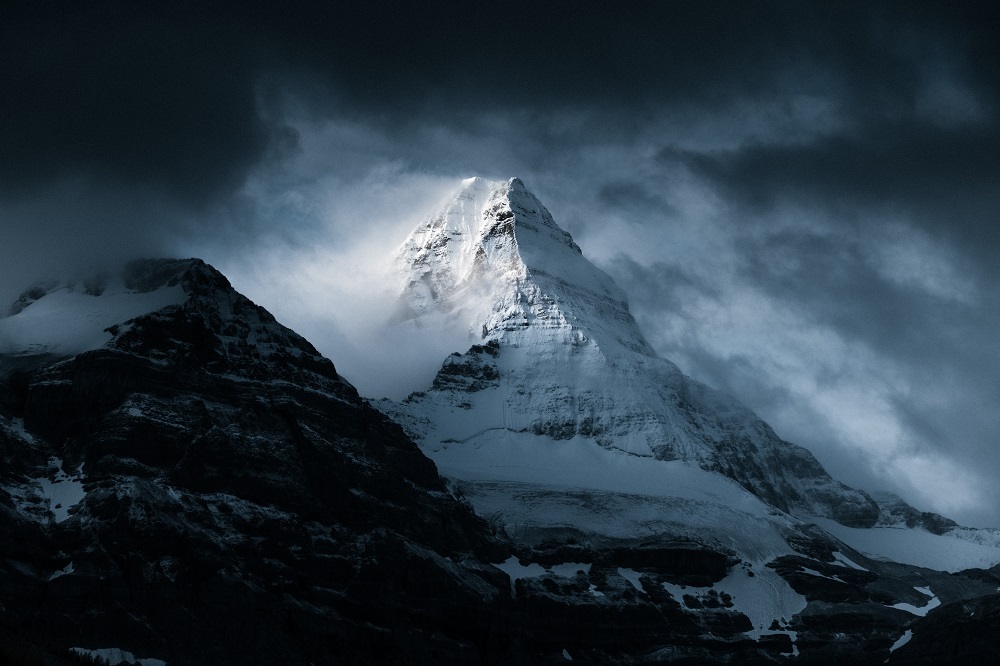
{"x": 64, "y": 491}
{"x": 764, "y": 597}
{"x": 813, "y": 572}
{"x": 68, "y": 569}
{"x": 516, "y": 571}
{"x": 570, "y": 569}
{"x": 631, "y": 576}
{"x": 920, "y": 611}
{"x": 678, "y": 591}
{"x": 901, "y": 641}
{"x": 115, "y": 656}
{"x": 841, "y": 560}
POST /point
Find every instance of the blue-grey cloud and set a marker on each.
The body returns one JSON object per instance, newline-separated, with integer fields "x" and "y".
{"x": 799, "y": 197}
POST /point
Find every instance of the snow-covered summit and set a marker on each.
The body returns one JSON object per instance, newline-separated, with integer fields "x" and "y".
{"x": 494, "y": 257}
{"x": 558, "y": 356}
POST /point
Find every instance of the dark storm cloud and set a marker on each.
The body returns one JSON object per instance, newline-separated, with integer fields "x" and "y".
{"x": 944, "y": 178}
{"x": 844, "y": 291}
{"x": 838, "y": 286}
{"x": 659, "y": 286}
{"x": 127, "y": 98}
{"x": 173, "y": 98}
{"x": 635, "y": 197}
{"x": 124, "y": 128}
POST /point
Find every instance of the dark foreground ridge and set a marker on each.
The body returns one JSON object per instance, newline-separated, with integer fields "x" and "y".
{"x": 205, "y": 489}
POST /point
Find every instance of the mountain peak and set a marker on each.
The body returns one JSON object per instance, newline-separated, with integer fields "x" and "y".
{"x": 177, "y": 312}
{"x": 493, "y": 257}
{"x": 476, "y": 217}
{"x": 565, "y": 362}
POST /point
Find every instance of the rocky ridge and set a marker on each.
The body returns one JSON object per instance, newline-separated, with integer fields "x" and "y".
{"x": 205, "y": 488}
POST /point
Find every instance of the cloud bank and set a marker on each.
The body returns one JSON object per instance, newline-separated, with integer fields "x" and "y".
{"x": 799, "y": 198}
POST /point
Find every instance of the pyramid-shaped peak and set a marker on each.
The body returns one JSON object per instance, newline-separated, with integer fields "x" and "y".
{"x": 483, "y": 191}
{"x": 564, "y": 360}
{"x": 485, "y": 215}
{"x": 493, "y": 255}
{"x": 486, "y": 235}
{"x": 480, "y": 182}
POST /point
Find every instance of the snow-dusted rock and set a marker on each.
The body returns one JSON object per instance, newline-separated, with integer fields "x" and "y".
{"x": 182, "y": 476}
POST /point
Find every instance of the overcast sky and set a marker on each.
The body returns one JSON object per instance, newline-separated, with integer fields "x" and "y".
{"x": 801, "y": 199}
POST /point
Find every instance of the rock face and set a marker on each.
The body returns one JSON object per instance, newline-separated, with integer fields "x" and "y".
{"x": 897, "y": 513}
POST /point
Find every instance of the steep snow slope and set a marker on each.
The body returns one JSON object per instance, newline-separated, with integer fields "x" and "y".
{"x": 560, "y": 357}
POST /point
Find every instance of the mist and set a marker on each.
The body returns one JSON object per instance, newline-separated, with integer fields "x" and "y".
{"x": 330, "y": 276}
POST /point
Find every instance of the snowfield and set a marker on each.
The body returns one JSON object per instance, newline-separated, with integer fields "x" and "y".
{"x": 67, "y": 321}
{"x": 915, "y": 546}
{"x": 921, "y": 611}
{"x": 536, "y": 484}
{"x": 63, "y": 491}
